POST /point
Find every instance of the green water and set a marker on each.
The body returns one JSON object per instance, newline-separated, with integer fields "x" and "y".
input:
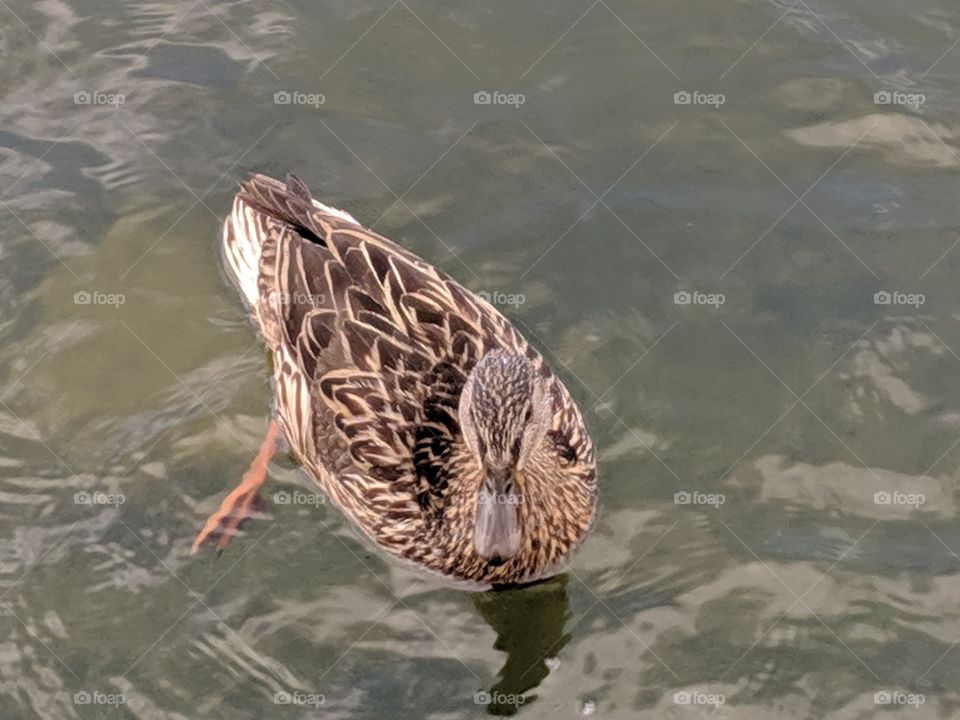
{"x": 779, "y": 401}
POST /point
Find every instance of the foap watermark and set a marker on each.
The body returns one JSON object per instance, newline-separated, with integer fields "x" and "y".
{"x": 295, "y": 97}
{"x": 686, "y": 497}
{"x": 300, "y": 298}
{"x": 96, "y": 97}
{"x": 299, "y": 698}
{"x": 895, "y": 297}
{"x": 95, "y": 697}
{"x": 98, "y": 497}
{"x": 895, "y": 97}
{"x": 898, "y": 697}
{"x": 488, "y": 498}
{"x": 483, "y": 697}
{"x": 496, "y": 97}
{"x": 695, "y": 697}
{"x": 298, "y": 497}
{"x": 497, "y": 298}
{"x": 896, "y": 497}
{"x": 695, "y": 297}
{"x": 95, "y": 297}
{"x": 684, "y": 97}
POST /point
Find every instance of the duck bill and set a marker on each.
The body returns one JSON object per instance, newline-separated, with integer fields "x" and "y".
{"x": 497, "y": 533}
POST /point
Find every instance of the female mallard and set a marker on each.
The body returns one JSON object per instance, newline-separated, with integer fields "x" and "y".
{"x": 417, "y": 407}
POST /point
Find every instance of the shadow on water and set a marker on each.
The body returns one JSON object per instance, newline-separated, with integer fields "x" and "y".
{"x": 529, "y": 622}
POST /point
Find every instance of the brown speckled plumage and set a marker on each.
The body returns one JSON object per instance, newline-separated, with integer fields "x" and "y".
{"x": 372, "y": 348}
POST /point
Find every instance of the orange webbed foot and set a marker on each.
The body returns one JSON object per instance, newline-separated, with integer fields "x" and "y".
{"x": 240, "y": 504}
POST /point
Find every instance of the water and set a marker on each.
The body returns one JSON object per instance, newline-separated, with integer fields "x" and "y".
{"x": 779, "y": 585}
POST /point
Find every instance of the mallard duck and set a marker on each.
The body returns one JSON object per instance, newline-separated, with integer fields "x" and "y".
{"x": 421, "y": 412}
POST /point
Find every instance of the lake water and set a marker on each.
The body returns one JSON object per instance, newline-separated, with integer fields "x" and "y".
{"x": 732, "y": 228}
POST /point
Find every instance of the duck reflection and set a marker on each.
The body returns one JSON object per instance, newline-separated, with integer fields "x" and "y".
{"x": 529, "y": 621}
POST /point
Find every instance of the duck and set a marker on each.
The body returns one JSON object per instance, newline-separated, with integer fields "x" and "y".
{"x": 421, "y": 412}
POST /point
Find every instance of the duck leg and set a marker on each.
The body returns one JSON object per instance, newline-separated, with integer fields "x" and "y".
{"x": 239, "y": 504}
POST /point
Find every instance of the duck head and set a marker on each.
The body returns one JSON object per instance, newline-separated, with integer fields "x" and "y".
{"x": 505, "y": 412}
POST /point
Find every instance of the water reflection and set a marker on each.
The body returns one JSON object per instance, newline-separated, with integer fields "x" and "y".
{"x": 529, "y": 622}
